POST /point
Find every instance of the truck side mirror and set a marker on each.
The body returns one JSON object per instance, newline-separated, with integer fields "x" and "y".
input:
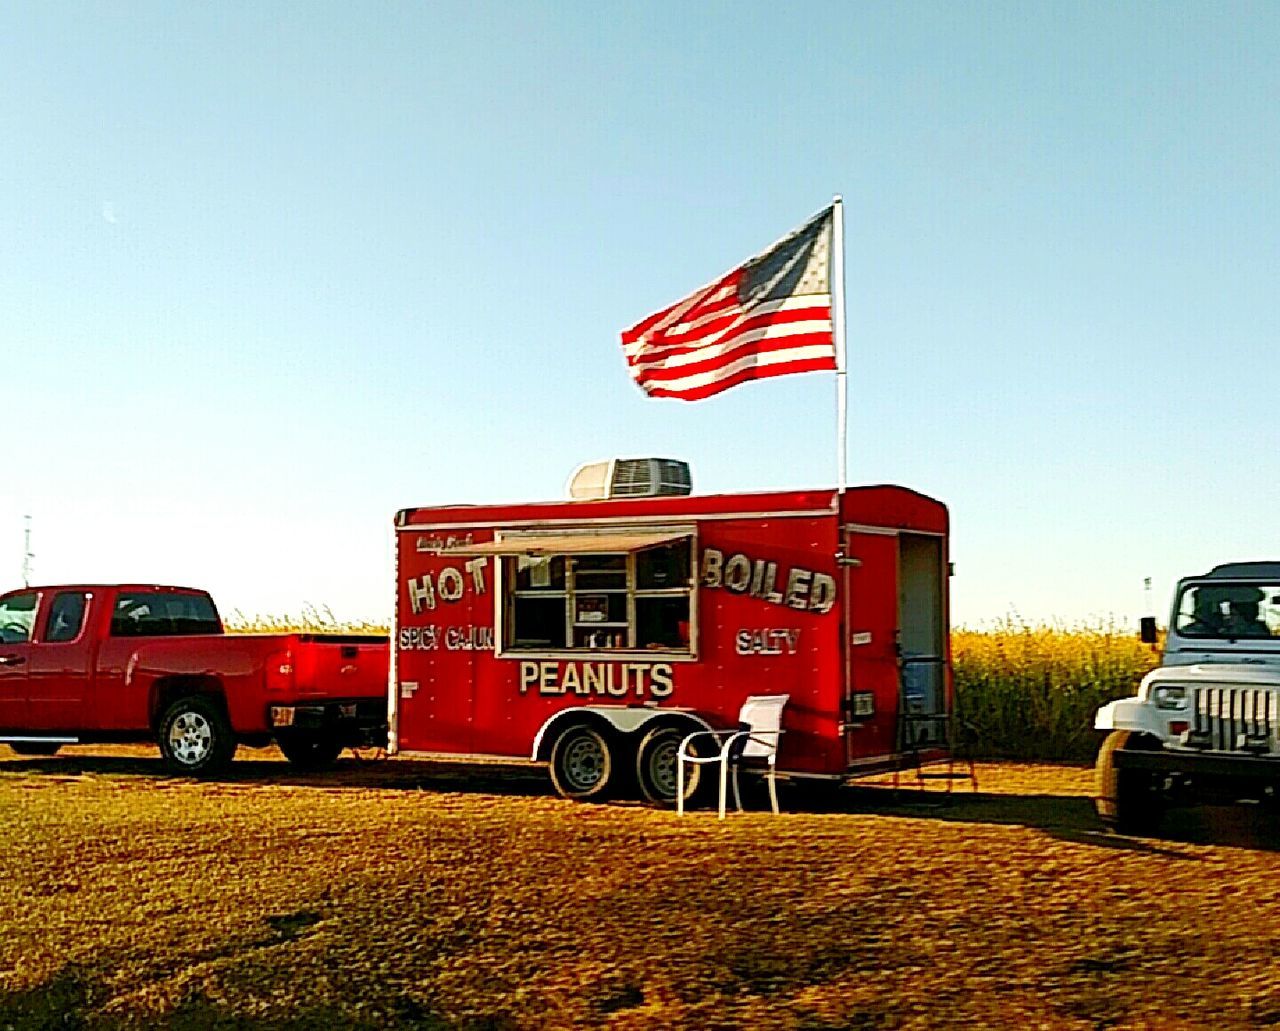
{"x": 1147, "y": 629}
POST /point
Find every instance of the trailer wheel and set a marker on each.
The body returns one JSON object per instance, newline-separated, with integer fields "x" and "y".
{"x": 1130, "y": 801}
{"x": 309, "y": 751}
{"x": 582, "y": 763}
{"x": 195, "y": 736}
{"x": 656, "y": 766}
{"x": 34, "y": 748}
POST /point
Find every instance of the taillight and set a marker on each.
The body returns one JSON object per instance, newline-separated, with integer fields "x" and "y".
{"x": 1178, "y": 727}
{"x": 279, "y": 672}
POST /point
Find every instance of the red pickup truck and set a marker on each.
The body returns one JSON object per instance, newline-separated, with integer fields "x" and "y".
{"x": 82, "y": 664}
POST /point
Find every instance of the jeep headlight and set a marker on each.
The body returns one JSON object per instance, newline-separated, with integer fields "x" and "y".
{"x": 1170, "y": 696}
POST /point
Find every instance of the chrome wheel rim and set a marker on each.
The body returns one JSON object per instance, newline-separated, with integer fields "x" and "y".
{"x": 190, "y": 738}
{"x": 584, "y": 762}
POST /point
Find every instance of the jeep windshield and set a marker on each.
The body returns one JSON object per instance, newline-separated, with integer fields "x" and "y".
{"x": 1229, "y": 611}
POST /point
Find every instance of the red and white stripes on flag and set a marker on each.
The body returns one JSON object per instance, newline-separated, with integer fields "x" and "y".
{"x": 768, "y": 317}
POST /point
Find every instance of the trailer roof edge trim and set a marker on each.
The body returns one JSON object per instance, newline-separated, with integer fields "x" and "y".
{"x": 685, "y": 506}
{"x": 567, "y": 544}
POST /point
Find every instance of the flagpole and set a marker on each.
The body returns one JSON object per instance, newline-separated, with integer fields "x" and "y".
{"x": 837, "y": 327}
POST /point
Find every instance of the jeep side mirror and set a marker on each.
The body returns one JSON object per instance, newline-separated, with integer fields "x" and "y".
{"x": 1147, "y": 629}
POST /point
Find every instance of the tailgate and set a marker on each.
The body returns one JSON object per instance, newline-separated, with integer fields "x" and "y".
{"x": 340, "y": 666}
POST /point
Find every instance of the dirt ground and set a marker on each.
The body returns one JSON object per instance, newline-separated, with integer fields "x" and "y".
{"x": 428, "y": 895}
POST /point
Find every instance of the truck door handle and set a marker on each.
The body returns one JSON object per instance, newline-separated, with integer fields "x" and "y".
{"x": 12, "y": 660}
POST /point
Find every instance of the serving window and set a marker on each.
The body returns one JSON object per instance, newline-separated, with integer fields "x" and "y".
{"x": 638, "y": 596}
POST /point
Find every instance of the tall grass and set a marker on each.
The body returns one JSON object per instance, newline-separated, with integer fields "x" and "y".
{"x": 1030, "y": 692}
{"x": 313, "y": 619}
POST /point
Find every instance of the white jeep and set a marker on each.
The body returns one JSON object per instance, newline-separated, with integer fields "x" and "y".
{"x": 1206, "y": 724}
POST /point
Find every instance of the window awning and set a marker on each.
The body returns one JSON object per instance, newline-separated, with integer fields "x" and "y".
{"x": 567, "y": 544}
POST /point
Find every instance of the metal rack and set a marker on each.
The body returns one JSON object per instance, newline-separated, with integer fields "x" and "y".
{"x": 925, "y": 722}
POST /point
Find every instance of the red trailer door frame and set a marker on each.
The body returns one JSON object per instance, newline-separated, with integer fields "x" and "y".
{"x": 894, "y": 637}
{"x": 871, "y": 644}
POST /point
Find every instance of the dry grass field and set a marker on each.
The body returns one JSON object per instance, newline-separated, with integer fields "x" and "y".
{"x": 410, "y": 894}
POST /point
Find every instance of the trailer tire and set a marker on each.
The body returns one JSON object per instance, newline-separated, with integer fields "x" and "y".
{"x": 656, "y": 765}
{"x": 584, "y": 763}
{"x": 1128, "y": 801}
{"x": 309, "y": 751}
{"x": 34, "y": 749}
{"x": 195, "y": 736}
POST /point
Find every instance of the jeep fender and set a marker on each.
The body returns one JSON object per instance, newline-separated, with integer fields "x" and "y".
{"x": 1131, "y": 714}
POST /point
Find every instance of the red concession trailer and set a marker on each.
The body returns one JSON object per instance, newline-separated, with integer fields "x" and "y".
{"x": 594, "y": 635}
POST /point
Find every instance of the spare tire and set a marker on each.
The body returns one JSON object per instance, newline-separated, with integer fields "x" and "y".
{"x": 309, "y": 750}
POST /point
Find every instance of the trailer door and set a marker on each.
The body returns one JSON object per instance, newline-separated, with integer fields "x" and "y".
{"x": 871, "y": 643}
{"x": 895, "y": 643}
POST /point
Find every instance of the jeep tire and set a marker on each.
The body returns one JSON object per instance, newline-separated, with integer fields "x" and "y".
{"x": 1129, "y": 801}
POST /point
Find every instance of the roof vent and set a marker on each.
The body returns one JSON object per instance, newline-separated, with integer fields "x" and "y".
{"x": 630, "y": 478}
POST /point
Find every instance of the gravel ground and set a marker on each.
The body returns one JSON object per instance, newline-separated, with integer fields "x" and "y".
{"x": 429, "y": 895}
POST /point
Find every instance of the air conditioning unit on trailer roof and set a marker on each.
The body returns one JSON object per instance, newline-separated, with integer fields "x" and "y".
{"x": 630, "y": 478}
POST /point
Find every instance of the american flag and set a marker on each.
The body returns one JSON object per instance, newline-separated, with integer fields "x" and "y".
{"x": 768, "y": 317}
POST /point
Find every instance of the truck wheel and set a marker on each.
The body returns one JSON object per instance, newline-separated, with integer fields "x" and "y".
{"x": 582, "y": 763}
{"x": 309, "y": 751}
{"x": 656, "y": 766}
{"x": 34, "y": 748}
{"x": 195, "y": 736}
{"x": 1130, "y": 801}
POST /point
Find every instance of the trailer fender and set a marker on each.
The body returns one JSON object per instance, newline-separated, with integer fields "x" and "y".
{"x": 622, "y": 718}
{"x": 1130, "y": 714}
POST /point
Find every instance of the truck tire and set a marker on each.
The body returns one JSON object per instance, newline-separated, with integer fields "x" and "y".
{"x": 656, "y": 765}
{"x": 195, "y": 736}
{"x": 583, "y": 763}
{"x": 309, "y": 750}
{"x": 1129, "y": 801}
{"x": 34, "y": 748}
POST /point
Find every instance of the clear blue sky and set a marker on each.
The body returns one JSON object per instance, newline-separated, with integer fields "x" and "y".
{"x": 269, "y": 272}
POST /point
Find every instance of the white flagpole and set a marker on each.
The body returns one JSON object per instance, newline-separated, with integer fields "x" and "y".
{"x": 837, "y": 327}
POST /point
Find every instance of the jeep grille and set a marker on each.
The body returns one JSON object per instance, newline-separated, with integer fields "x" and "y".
{"x": 1232, "y": 719}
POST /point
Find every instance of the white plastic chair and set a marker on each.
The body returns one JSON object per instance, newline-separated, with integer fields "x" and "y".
{"x": 756, "y": 737}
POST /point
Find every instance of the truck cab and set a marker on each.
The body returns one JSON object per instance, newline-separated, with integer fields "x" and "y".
{"x": 1206, "y": 723}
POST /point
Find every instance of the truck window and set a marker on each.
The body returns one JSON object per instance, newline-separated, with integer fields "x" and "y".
{"x": 163, "y": 614}
{"x": 1226, "y": 611}
{"x": 633, "y": 600}
{"x": 17, "y": 617}
{"x": 66, "y": 616}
